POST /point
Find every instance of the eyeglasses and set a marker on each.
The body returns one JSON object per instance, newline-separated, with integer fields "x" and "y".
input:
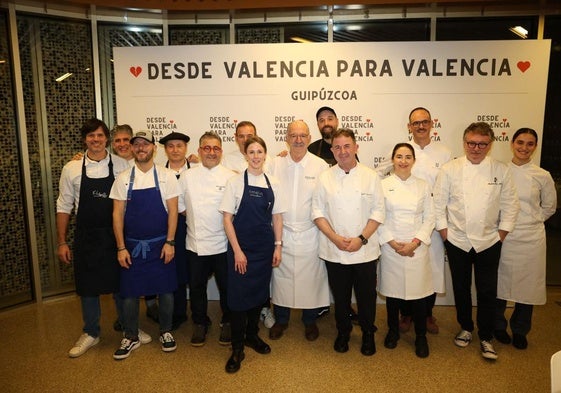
{"x": 481, "y": 145}
{"x": 296, "y": 136}
{"x": 208, "y": 149}
{"x": 424, "y": 123}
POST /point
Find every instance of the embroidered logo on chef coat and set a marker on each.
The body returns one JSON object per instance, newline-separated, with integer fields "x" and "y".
{"x": 495, "y": 182}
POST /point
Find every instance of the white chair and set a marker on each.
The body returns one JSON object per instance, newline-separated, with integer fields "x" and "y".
{"x": 556, "y": 372}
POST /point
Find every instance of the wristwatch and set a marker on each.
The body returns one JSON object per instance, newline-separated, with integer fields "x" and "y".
{"x": 170, "y": 242}
{"x": 363, "y": 239}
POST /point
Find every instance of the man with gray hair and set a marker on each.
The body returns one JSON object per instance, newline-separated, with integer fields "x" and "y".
{"x": 476, "y": 206}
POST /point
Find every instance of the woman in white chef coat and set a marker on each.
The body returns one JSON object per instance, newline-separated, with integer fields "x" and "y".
{"x": 405, "y": 269}
{"x": 523, "y": 255}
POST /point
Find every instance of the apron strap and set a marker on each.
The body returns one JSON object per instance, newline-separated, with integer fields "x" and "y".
{"x": 144, "y": 246}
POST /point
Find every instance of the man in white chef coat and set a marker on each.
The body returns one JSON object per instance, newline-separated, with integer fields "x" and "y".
{"x": 301, "y": 279}
{"x": 348, "y": 206}
{"x": 202, "y": 189}
{"x": 476, "y": 207}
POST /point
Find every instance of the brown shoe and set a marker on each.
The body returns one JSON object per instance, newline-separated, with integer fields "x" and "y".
{"x": 432, "y": 327}
{"x": 277, "y": 330}
{"x": 311, "y": 332}
{"x": 405, "y": 324}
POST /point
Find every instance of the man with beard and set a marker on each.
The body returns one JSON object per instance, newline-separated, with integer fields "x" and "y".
{"x": 144, "y": 222}
{"x": 327, "y": 123}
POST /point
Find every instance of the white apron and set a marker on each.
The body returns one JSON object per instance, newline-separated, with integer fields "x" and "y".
{"x": 300, "y": 282}
{"x": 404, "y": 277}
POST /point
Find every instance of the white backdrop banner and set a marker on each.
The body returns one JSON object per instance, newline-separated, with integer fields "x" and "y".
{"x": 371, "y": 86}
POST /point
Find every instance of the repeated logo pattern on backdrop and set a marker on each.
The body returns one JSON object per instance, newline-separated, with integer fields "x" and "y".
{"x": 372, "y": 86}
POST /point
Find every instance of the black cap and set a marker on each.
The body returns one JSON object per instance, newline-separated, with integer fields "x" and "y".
{"x": 174, "y": 136}
{"x": 325, "y": 108}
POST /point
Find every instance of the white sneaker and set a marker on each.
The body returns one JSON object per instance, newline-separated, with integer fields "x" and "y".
{"x": 462, "y": 339}
{"x": 144, "y": 337}
{"x": 267, "y": 317}
{"x": 84, "y": 343}
{"x": 487, "y": 350}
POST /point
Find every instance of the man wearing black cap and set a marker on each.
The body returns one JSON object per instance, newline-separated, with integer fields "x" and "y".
{"x": 145, "y": 208}
{"x": 327, "y": 123}
{"x": 175, "y": 145}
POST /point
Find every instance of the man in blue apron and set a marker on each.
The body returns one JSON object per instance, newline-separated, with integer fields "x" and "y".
{"x": 144, "y": 223}
{"x": 84, "y": 187}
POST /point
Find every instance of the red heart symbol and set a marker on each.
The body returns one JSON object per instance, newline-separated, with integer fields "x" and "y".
{"x": 368, "y": 120}
{"x": 171, "y": 121}
{"x": 435, "y": 133}
{"x": 504, "y": 120}
{"x": 367, "y": 134}
{"x": 435, "y": 120}
{"x": 135, "y": 71}
{"x": 235, "y": 121}
{"x": 523, "y": 65}
{"x": 504, "y": 133}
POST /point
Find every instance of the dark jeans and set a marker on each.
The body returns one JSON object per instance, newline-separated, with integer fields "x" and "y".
{"x": 342, "y": 279}
{"x": 485, "y": 267}
{"x": 418, "y": 311}
{"x": 201, "y": 268}
{"x": 130, "y": 314}
{"x": 244, "y": 324}
{"x": 520, "y": 320}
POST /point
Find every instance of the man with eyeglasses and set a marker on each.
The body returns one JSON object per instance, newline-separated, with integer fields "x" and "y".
{"x": 476, "y": 207}
{"x": 430, "y": 157}
{"x": 202, "y": 191}
{"x": 300, "y": 281}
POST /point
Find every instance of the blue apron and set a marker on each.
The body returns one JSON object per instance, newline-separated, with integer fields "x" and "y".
{"x": 146, "y": 226}
{"x": 254, "y": 231}
{"x": 96, "y": 268}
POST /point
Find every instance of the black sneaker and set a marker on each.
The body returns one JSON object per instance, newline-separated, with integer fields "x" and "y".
{"x": 391, "y": 339}
{"x": 127, "y": 346}
{"x": 168, "y": 342}
{"x": 421, "y": 347}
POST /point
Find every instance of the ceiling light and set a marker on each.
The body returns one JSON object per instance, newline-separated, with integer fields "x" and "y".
{"x": 300, "y": 39}
{"x": 519, "y": 31}
{"x": 63, "y": 77}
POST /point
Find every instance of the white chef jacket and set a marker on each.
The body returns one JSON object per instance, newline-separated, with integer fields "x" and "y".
{"x": 409, "y": 215}
{"x": 301, "y": 279}
{"x": 169, "y": 186}
{"x": 237, "y": 162}
{"x": 522, "y": 268}
{"x": 235, "y": 187}
{"x": 348, "y": 201}
{"x": 71, "y": 179}
{"x": 202, "y": 190}
{"x": 485, "y": 191}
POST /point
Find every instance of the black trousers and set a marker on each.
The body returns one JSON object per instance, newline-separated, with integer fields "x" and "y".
{"x": 406, "y": 306}
{"x": 244, "y": 324}
{"x": 520, "y": 320}
{"x": 418, "y": 311}
{"x": 342, "y": 279}
{"x": 201, "y": 268}
{"x": 485, "y": 266}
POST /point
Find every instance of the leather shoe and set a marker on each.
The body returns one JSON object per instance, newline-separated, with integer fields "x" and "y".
{"x": 405, "y": 324}
{"x": 257, "y": 345}
{"x": 421, "y": 347}
{"x": 341, "y": 344}
{"x": 502, "y": 336}
{"x": 519, "y": 341}
{"x": 391, "y": 339}
{"x": 277, "y": 330}
{"x": 432, "y": 327}
{"x": 235, "y": 361}
{"x": 368, "y": 347}
{"x": 311, "y": 332}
